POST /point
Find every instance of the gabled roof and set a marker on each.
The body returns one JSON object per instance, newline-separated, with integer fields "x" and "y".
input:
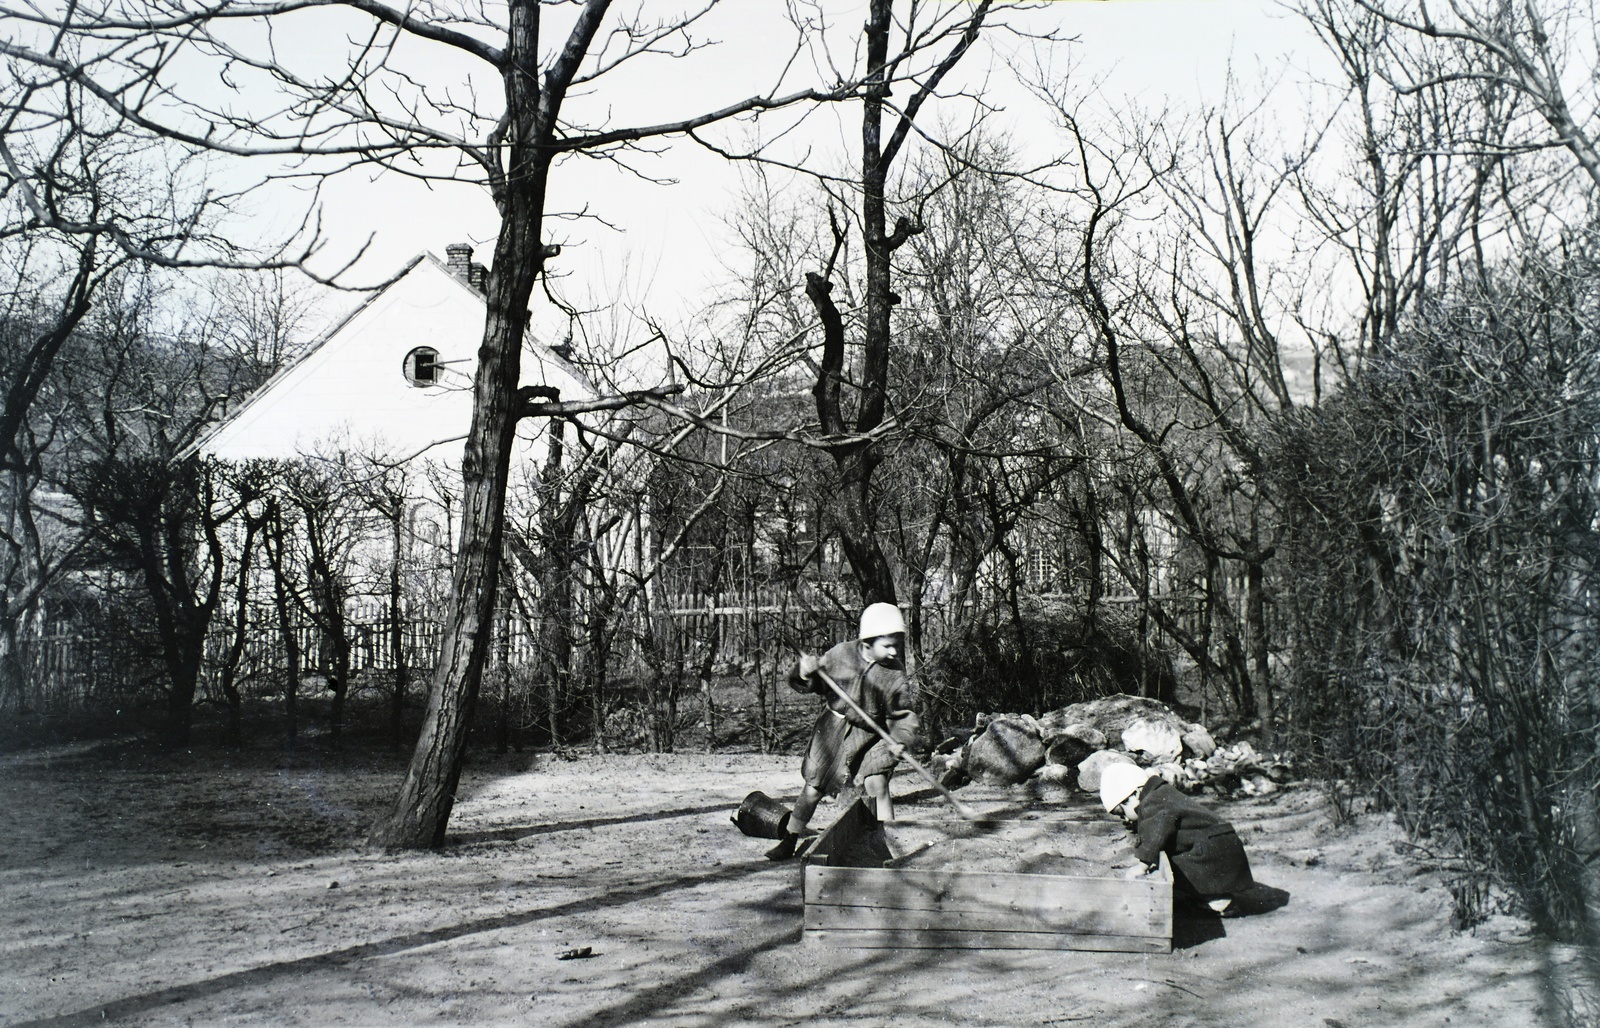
{"x": 349, "y": 390}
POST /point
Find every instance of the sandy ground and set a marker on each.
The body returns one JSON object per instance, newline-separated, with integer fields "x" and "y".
{"x": 209, "y": 889}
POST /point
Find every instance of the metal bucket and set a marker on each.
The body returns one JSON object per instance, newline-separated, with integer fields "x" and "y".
{"x": 762, "y": 817}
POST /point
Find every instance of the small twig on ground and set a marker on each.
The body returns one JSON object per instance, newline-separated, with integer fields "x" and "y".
{"x": 1181, "y": 988}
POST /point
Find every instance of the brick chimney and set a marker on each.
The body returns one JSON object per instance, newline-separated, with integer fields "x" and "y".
{"x": 458, "y": 257}
{"x": 477, "y": 276}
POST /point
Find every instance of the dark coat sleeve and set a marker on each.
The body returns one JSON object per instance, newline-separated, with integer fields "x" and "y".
{"x": 840, "y": 662}
{"x": 1158, "y": 831}
{"x": 803, "y": 683}
{"x": 898, "y": 709}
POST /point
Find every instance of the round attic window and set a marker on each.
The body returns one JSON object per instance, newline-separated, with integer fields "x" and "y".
{"x": 422, "y": 366}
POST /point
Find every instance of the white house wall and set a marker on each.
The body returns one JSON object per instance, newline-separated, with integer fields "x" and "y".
{"x": 350, "y": 392}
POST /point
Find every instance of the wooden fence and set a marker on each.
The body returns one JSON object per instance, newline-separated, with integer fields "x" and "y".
{"x": 75, "y": 669}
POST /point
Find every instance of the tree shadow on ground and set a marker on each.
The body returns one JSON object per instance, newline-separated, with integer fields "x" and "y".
{"x": 520, "y": 832}
{"x": 133, "y": 1006}
{"x": 650, "y": 1002}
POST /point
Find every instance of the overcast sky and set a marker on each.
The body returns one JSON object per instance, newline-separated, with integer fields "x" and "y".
{"x": 664, "y": 251}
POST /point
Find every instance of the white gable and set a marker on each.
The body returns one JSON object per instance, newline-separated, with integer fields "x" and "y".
{"x": 351, "y": 391}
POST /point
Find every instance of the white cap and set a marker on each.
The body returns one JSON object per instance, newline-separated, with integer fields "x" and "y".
{"x": 881, "y": 619}
{"x": 1119, "y": 781}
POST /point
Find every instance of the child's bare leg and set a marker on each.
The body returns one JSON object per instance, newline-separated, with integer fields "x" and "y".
{"x": 877, "y": 788}
{"x": 804, "y": 807}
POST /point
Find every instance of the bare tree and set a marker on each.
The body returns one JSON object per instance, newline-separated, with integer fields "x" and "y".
{"x": 329, "y": 502}
{"x": 386, "y": 488}
{"x": 80, "y": 206}
{"x": 995, "y": 353}
{"x": 278, "y": 546}
{"x": 1543, "y": 52}
{"x": 140, "y": 395}
{"x": 252, "y": 484}
{"x": 883, "y": 139}
{"x": 1436, "y": 167}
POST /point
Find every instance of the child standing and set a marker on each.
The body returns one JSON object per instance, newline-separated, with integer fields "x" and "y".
{"x": 871, "y": 670}
{"x": 1208, "y": 860}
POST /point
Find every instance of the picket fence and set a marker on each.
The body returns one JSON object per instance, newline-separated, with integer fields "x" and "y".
{"x": 73, "y": 669}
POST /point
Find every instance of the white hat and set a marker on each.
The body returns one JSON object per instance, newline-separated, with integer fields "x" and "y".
{"x": 1119, "y": 781}
{"x": 881, "y": 619}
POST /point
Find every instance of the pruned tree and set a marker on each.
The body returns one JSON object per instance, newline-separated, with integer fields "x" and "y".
{"x": 252, "y": 485}
{"x": 852, "y": 398}
{"x": 279, "y": 548}
{"x": 140, "y": 392}
{"x": 330, "y": 506}
{"x": 386, "y": 488}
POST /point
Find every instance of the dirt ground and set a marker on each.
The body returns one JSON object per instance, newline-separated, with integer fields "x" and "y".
{"x": 214, "y": 889}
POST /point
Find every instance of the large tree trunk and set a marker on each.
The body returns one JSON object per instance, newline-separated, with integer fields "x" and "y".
{"x": 848, "y": 499}
{"x": 182, "y": 643}
{"x": 422, "y": 808}
{"x": 857, "y": 525}
{"x": 853, "y": 515}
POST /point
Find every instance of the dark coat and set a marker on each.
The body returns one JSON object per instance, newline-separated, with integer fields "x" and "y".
{"x": 842, "y": 747}
{"x": 1207, "y": 857}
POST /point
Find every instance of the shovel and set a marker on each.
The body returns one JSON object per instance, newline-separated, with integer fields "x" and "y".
{"x": 959, "y": 807}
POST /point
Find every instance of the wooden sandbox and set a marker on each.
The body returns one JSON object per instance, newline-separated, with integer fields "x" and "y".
{"x": 1020, "y": 877}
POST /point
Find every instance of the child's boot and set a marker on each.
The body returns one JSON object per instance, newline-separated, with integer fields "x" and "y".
{"x": 793, "y": 844}
{"x": 785, "y": 847}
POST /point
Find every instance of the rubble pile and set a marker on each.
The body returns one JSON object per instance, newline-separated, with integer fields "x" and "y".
{"x": 1074, "y": 745}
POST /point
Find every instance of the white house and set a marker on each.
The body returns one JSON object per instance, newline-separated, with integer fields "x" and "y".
{"x": 392, "y": 380}
{"x": 388, "y": 391}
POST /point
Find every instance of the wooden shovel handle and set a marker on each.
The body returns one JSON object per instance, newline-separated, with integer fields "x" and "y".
{"x": 960, "y": 808}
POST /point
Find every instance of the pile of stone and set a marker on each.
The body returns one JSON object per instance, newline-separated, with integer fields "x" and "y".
{"x": 1072, "y": 746}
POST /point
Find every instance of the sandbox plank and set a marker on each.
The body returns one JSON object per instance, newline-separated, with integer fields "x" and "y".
{"x": 1123, "y": 921}
{"x": 908, "y": 889}
{"x": 941, "y": 939}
